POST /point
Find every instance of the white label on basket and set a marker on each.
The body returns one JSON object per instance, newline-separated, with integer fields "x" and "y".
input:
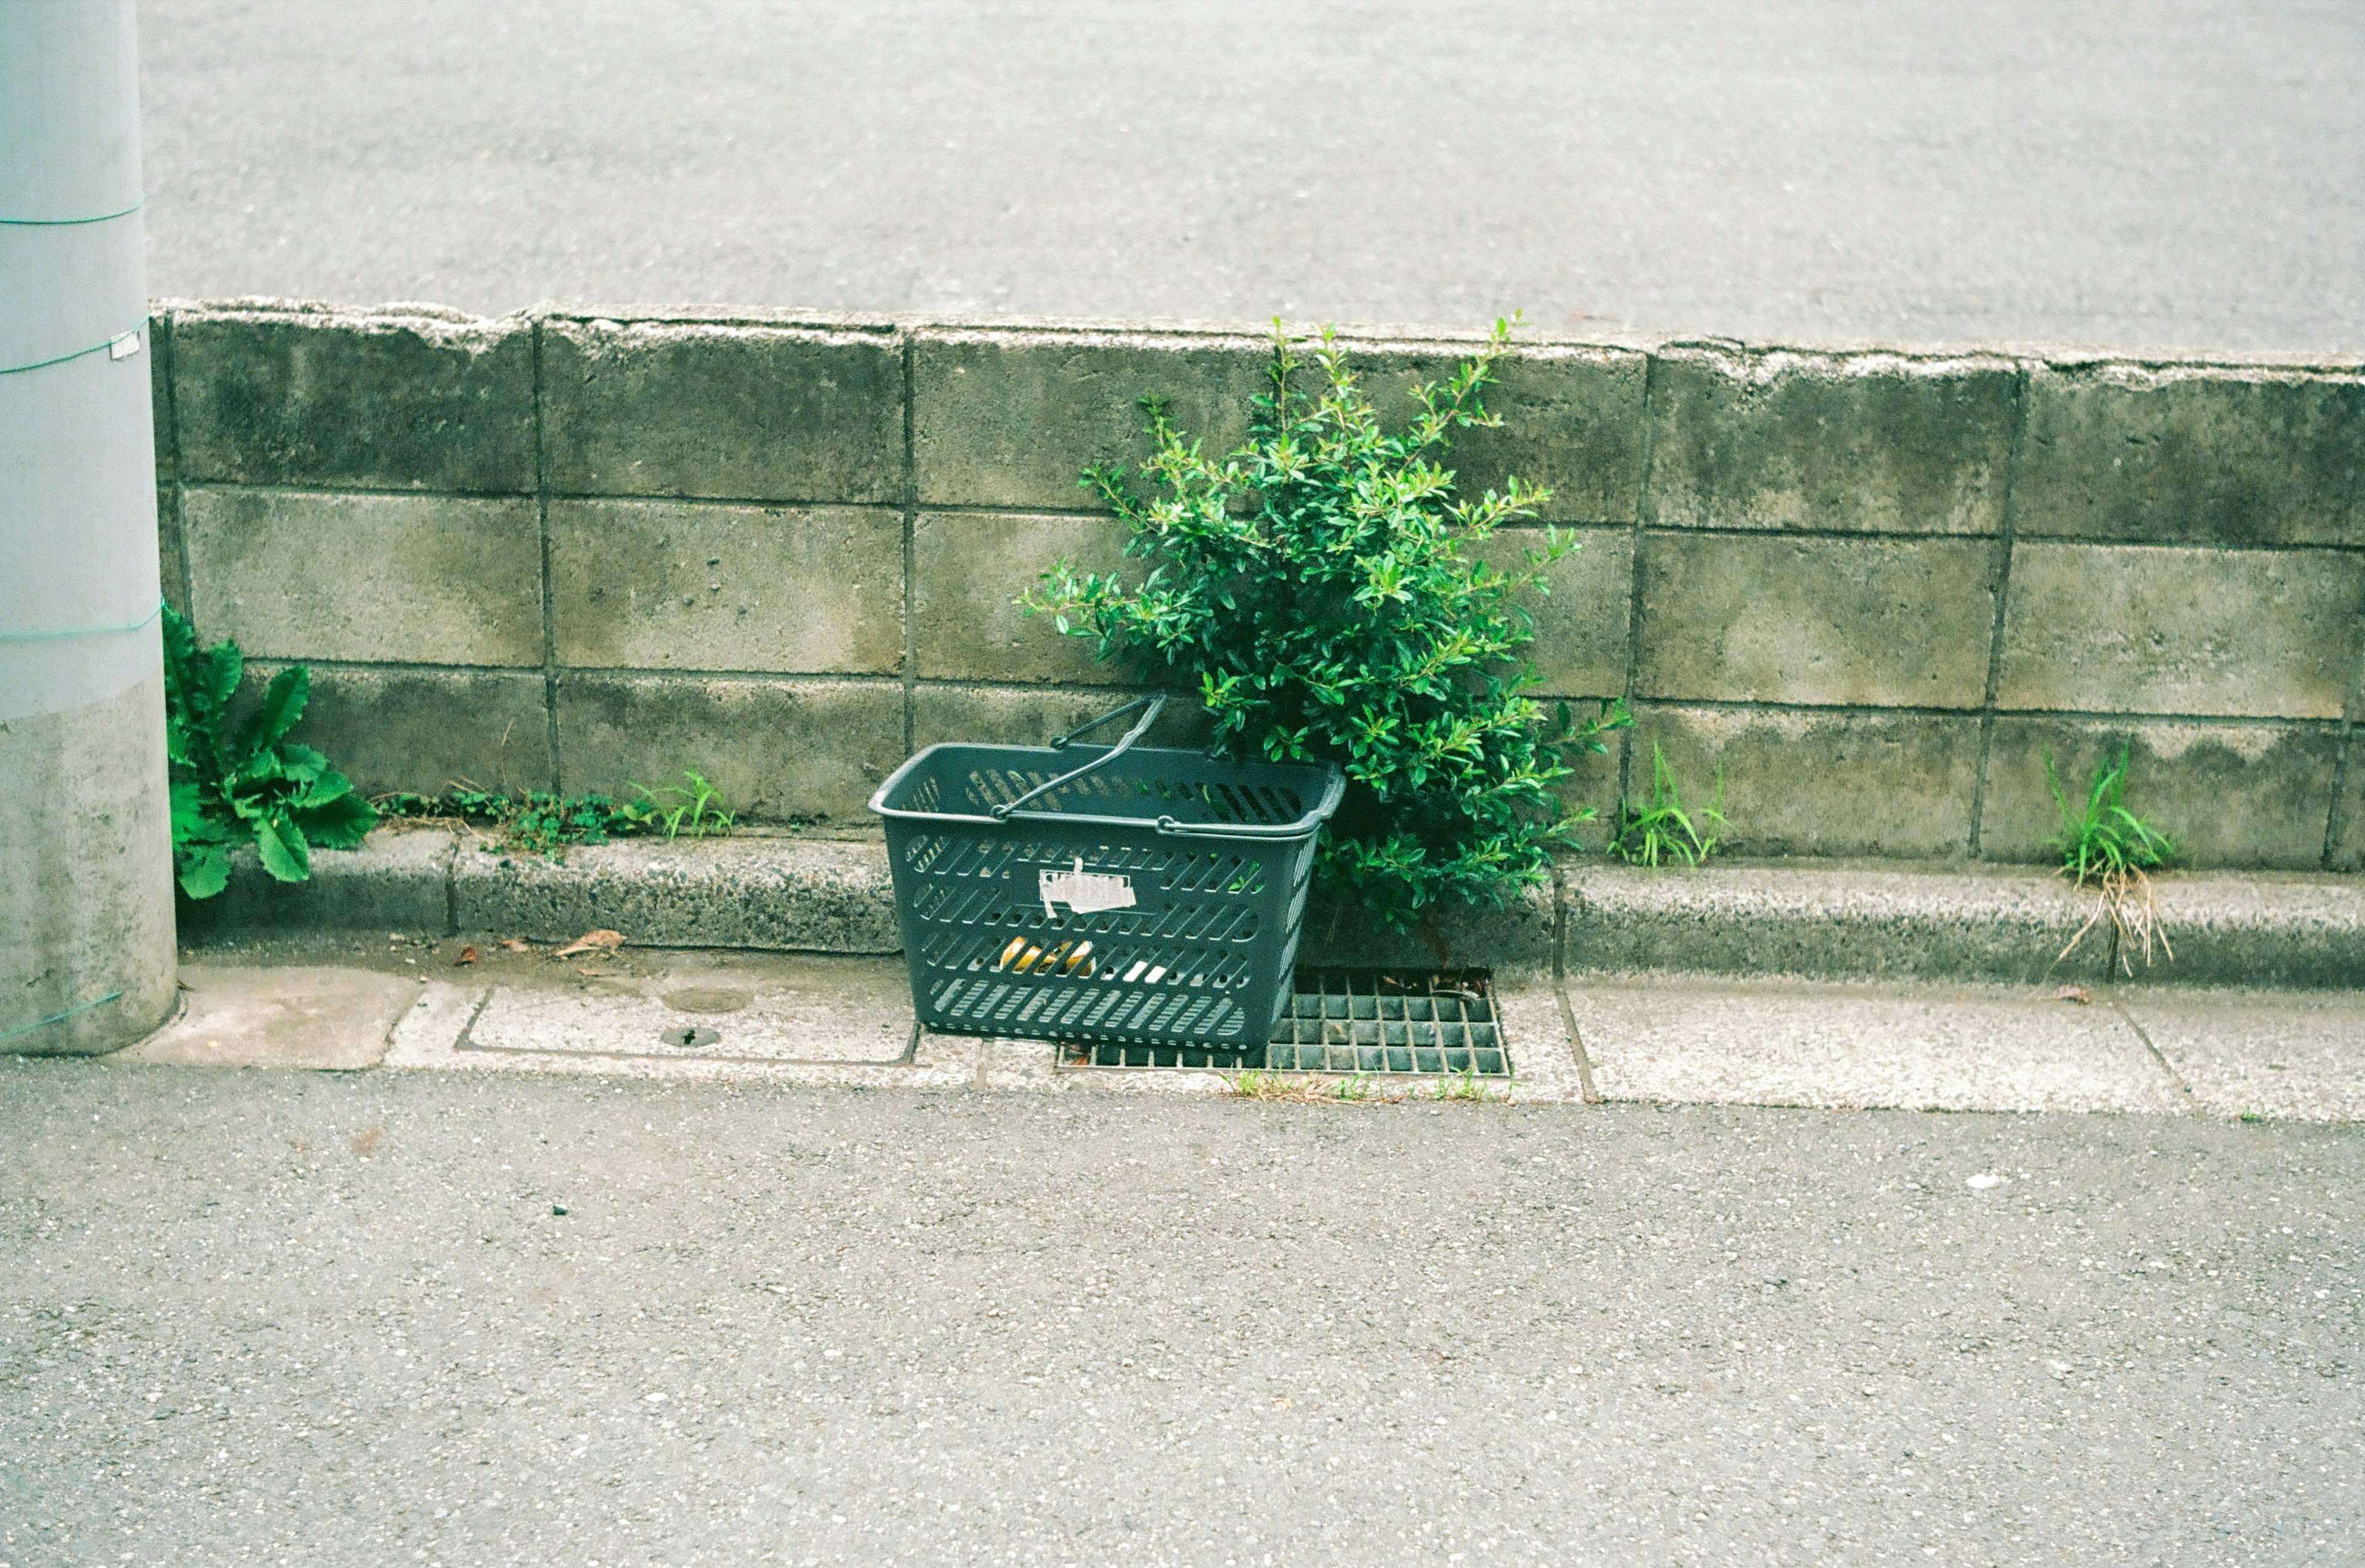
{"x": 1083, "y": 891}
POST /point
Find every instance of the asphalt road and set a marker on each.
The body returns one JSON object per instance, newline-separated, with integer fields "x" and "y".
{"x": 277, "y": 1317}
{"x": 2134, "y": 175}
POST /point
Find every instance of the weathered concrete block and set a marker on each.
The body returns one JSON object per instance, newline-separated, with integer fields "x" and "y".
{"x": 1897, "y": 786}
{"x": 160, "y": 393}
{"x": 793, "y": 894}
{"x": 1572, "y": 422}
{"x": 659, "y": 584}
{"x": 2193, "y": 455}
{"x": 382, "y": 400}
{"x": 421, "y": 731}
{"x": 2348, "y": 836}
{"x": 1875, "y": 442}
{"x": 1865, "y": 622}
{"x": 1009, "y": 418}
{"x": 776, "y": 749}
{"x": 1592, "y": 785}
{"x": 2156, "y": 629}
{"x": 399, "y": 578}
{"x": 398, "y": 879}
{"x": 171, "y": 549}
{"x": 1580, "y": 646}
{"x": 1515, "y": 935}
{"x": 1024, "y": 715}
{"x": 719, "y": 410}
{"x": 2230, "y": 795}
{"x": 968, "y": 567}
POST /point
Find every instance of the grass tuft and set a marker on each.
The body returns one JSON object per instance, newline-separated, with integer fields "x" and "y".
{"x": 1664, "y": 831}
{"x": 2109, "y": 848}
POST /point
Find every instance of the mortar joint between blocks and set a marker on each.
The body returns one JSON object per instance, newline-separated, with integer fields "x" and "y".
{"x": 542, "y": 525}
{"x": 2005, "y": 535}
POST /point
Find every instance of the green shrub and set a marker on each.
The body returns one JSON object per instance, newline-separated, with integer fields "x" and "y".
{"x": 245, "y": 783}
{"x": 1320, "y": 589}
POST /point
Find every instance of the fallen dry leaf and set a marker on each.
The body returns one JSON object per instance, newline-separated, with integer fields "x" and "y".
{"x": 592, "y": 942}
{"x": 467, "y": 955}
{"x": 2076, "y": 993}
{"x": 516, "y": 944}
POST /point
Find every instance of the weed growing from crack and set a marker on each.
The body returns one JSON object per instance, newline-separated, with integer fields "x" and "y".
{"x": 2106, "y": 846}
{"x": 1662, "y": 830}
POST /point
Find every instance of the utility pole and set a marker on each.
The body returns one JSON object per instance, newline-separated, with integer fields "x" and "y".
{"x": 87, "y": 956}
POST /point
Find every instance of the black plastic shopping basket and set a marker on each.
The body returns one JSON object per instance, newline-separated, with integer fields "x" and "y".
{"x": 1120, "y": 892}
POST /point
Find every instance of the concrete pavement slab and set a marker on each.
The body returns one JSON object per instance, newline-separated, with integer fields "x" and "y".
{"x": 1939, "y": 1048}
{"x": 2299, "y": 1056}
{"x": 306, "y": 1016}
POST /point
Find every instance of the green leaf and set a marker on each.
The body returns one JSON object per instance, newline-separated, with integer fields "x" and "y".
{"x": 340, "y": 821}
{"x": 204, "y": 870}
{"x": 281, "y": 845}
{"x": 283, "y": 704}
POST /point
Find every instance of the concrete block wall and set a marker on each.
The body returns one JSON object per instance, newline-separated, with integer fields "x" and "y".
{"x": 1875, "y": 588}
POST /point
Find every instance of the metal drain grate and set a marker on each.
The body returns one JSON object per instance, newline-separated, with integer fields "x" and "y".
{"x": 1343, "y": 1021}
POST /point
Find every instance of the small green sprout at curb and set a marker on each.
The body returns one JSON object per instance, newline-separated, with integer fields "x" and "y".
{"x": 1467, "y": 1087}
{"x": 1664, "y": 831}
{"x": 1354, "y": 1089}
{"x": 533, "y": 822}
{"x": 693, "y": 807}
{"x": 2106, "y": 846}
{"x": 2254, "y": 1117}
{"x": 1257, "y": 1083}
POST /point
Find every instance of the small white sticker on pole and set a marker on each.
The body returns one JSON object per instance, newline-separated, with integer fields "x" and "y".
{"x": 1084, "y": 892}
{"x": 123, "y": 347}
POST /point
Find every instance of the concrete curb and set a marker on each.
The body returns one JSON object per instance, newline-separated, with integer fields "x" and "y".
{"x": 1830, "y": 921}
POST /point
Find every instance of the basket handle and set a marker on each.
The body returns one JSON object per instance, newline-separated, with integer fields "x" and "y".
{"x": 1156, "y": 703}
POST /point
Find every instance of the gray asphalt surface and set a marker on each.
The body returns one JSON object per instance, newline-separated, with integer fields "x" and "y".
{"x": 2144, "y": 175}
{"x": 321, "y": 1319}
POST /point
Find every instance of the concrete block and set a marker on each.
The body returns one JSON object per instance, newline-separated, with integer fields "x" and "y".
{"x": 1516, "y": 935}
{"x": 420, "y": 731}
{"x": 2193, "y": 455}
{"x": 1027, "y": 715}
{"x": 160, "y": 393}
{"x": 1870, "y": 442}
{"x": 2293, "y": 1057}
{"x": 1952, "y": 1048}
{"x": 659, "y": 585}
{"x": 1864, "y": 622}
{"x": 1593, "y": 784}
{"x": 376, "y": 400}
{"x": 1009, "y": 418}
{"x": 1897, "y": 786}
{"x": 2230, "y": 795}
{"x": 717, "y": 410}
{"x": 398, "y": 879}
{"x": 810, "y": 895}
{"x": 297, "y": 575}
{"x": 776, "y": 749}
{"x": 2348, "y": 836}
{"x": 1580, "y": 646}
{"x": 967, "y": 568}
{"x": 1572, "y": 422}
{"x": 2260, "y": 928}
{"x": 2155, "y": 629}
{"x": 172, "y": 551}
{"x": 1832, "y": 921}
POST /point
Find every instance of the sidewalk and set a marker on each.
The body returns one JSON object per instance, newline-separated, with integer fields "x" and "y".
{"x": 408, "y": 1003}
